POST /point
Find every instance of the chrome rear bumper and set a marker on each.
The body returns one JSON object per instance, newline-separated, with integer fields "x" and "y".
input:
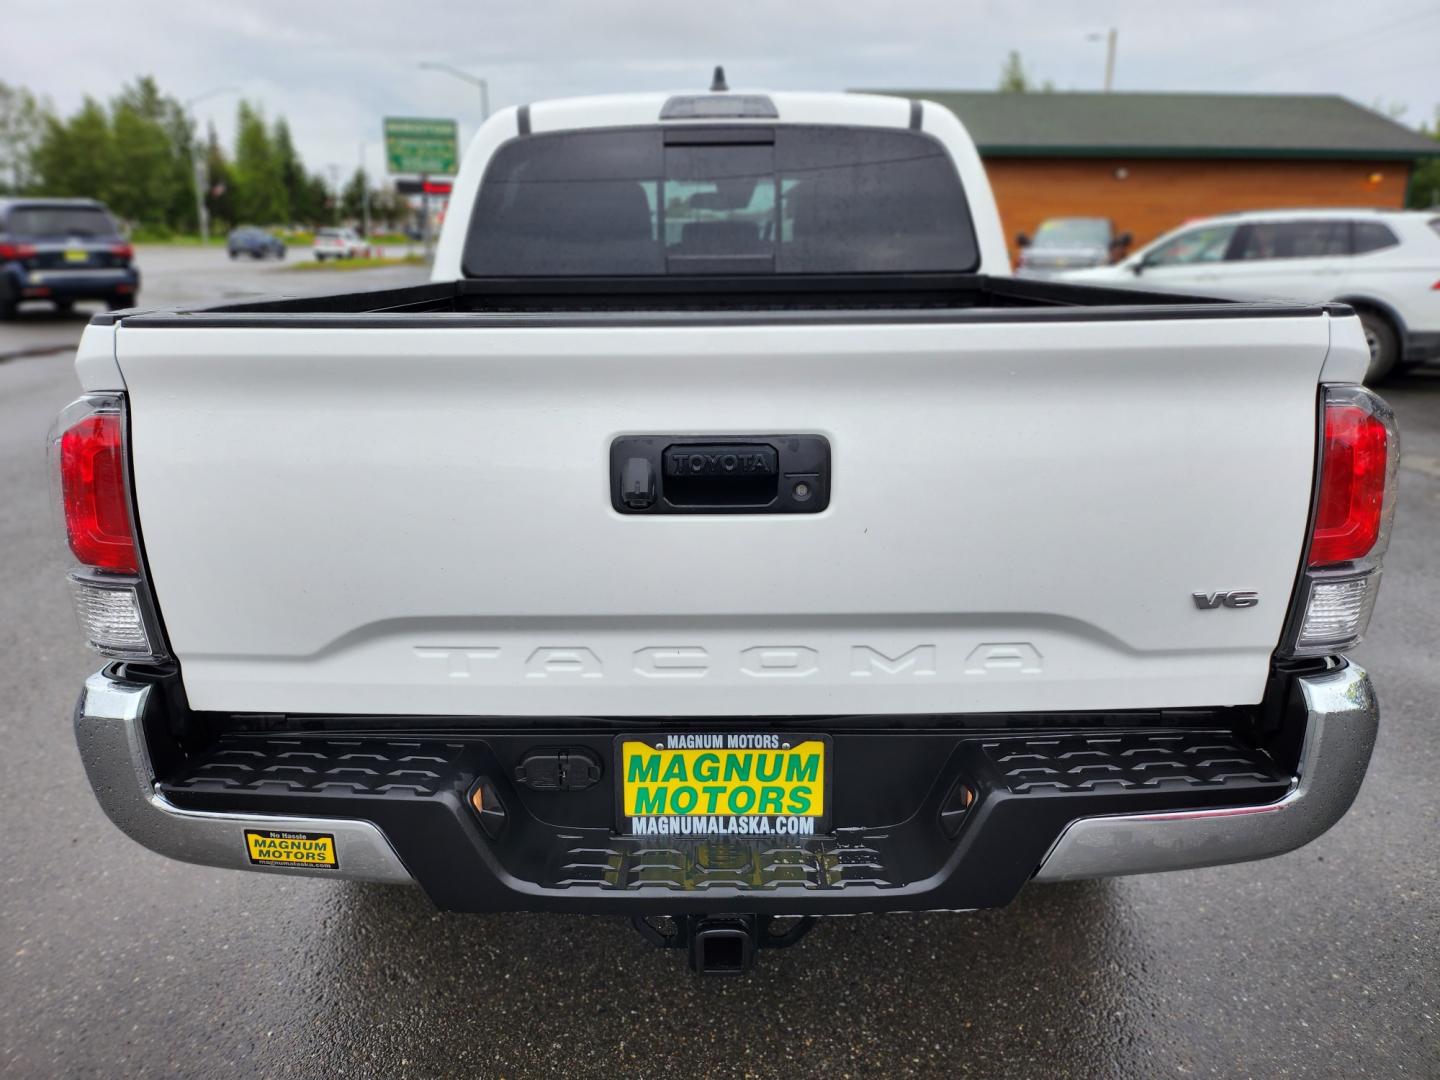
{"x": 108, "y": 728}
{"x": 1339, "y": 735}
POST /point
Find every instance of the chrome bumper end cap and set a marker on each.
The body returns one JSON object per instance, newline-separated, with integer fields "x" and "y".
{"x": 109, "y": 720}
{"x": 1340, "y": 733}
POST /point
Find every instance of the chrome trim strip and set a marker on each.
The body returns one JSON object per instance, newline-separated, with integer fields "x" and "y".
{"x": 112, "y": 747}
{"x": 1343, "y": 718}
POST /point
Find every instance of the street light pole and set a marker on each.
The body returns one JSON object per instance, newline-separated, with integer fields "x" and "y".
{"x": 464, "y": 76}
{"x": 1111, "y": 39}
{"x": 335, "y": 200}
{"x": 197, "y": 163}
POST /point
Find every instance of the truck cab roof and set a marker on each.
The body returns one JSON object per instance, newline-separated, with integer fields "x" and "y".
{"x": 728, "y": 107}
{"x": 691, "y": 110}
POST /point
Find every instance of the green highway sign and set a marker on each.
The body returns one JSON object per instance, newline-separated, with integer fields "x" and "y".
{"x": 421, "y": 146}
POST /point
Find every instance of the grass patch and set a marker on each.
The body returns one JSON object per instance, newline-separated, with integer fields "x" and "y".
{"x": 165, "y": 238}
{"x": 358, "y": 264}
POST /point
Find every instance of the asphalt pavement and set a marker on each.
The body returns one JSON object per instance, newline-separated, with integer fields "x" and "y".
{"x": 181, "y": 274}
{"x": 1321, "y": 963}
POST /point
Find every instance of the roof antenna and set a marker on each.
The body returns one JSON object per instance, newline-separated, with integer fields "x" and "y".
{"x": 717, "y": 84}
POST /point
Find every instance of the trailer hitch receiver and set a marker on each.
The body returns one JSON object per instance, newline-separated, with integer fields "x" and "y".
{"x": 723, "y": 944}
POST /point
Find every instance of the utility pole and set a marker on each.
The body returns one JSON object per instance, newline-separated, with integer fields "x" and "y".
{"x": 197, "y": 163}
{"x": 335, "y": 200}
{"x": 1111, "y": 38}
{"x": 464, "y": 76}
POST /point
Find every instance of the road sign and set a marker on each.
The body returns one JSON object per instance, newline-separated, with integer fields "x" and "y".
{"x": 421, "y": 146}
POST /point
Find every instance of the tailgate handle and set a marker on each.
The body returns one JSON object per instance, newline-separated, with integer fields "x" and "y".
{"x": 739, "y": 474}
{"x": 771, "y": 474}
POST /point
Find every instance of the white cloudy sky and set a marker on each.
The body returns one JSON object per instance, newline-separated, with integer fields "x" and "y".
{"x": 335, "y": 68}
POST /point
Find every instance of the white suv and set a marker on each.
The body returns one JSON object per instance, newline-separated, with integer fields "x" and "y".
{"x": 1384, "y": 263}
{"x": 340, "y": 244}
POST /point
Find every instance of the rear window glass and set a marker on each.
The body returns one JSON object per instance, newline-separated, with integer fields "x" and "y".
{"x": 1073, "y": 232}
{"x": 651, "y": 201}
{"x": 1372, "y": 236}
{"x": 59, "y": 221}
{"x": 1294, "y": 240}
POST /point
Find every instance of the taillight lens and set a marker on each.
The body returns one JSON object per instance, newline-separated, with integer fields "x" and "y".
{"x": 94, "y": 495}
{"x": 1354, "y": 506}
{"x": 89, "y": 461}
{"x": 124, "y": 251}
{"x": 1353, "y": 472}
{"x": 16, "y": 251}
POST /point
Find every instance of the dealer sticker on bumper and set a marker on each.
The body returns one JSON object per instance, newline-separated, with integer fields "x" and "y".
{"x": 704, "y": 784}
{"x": 272, "y": 848}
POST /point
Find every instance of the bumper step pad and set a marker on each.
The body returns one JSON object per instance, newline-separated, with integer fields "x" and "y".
{"x": 925, "y": 819}
{"x": 1130, "y": 761}
{"x": 291, "y": 767}
{"x": 821, "y": 863}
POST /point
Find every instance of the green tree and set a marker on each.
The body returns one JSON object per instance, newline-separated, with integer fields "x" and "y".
{"x": 138, "y": 156}
{"x": 259, "y": 187}
{"x": 152, "y": 180}
{"x": 1425, "y": 180}
{"x": 76, "y": 157}
{"x": 319, "y": 204}
{"x": 1015, "y": 80}
{"x": 220, "y": 182}
{"x": 22, "y": 125}
{"x": 292, "y": 169}
{"x": 352, "y": 199}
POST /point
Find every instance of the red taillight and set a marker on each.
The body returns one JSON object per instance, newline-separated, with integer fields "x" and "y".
{"x": 1351, "y": 506}
{"x": 16, "y": 251}
{"x": 124, "y": 251}
{"x": 97, "y": 506}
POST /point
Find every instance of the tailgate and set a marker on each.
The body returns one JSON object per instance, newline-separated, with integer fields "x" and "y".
{"x": 418, "y": 521}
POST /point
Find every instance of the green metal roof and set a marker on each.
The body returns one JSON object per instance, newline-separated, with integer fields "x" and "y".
{"x": 1064, "y": 124}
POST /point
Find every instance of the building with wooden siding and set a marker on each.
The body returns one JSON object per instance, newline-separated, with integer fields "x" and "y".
{"x": 1150, "y": 162}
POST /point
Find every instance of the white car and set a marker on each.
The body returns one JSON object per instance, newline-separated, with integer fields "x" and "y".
{"x": 340, "y": 244}
{"x": 1383, "y": 263}
{"x": 723, "y": 534}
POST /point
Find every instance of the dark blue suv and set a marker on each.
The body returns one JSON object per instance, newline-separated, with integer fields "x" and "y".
{"x": 255, "y": 242}
{"x": 63, "y": 250}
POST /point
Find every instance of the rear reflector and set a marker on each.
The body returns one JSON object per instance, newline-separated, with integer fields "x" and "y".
{"x": 1352, "y": 485}
{"x": 111, "y": 617}
{"x": 93, "y": 492}
{"x": 1337, "y": 613}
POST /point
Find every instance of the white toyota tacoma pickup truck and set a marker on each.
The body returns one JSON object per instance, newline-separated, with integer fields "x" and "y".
{"x": 721, "y": 536}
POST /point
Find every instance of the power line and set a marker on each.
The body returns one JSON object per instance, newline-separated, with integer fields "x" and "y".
{"x": 1349, "y": 39}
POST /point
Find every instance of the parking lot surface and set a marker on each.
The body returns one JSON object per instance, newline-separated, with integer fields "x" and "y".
{"x": 181, "y": 274}
{"x": 1320, "y": 963}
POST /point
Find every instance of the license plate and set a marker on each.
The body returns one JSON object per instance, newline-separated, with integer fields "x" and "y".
{"x": 75, "y": 255}
{"x": 725, "y": 784}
